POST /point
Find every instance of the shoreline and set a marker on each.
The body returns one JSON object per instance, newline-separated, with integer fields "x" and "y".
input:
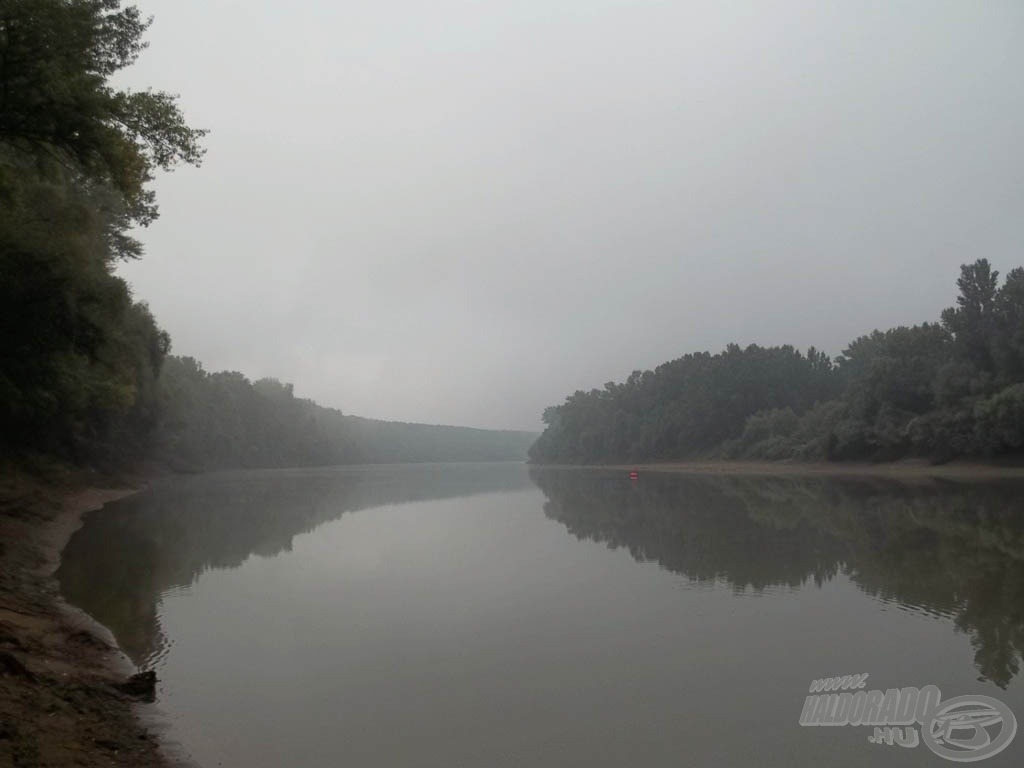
{"x": 901, "y": 470}
{"x": 59, "y": 702}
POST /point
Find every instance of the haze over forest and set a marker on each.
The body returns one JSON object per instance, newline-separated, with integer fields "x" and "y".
{"x": 481, "y": 227}
{"x": 683, "y": 239}
{"x": 459, "y": 213}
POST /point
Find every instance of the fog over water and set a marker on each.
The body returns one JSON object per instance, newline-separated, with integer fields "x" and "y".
{"x": 460, "y": 212}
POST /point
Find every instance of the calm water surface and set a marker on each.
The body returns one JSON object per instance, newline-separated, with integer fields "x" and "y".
{"x": 490, "y": 615}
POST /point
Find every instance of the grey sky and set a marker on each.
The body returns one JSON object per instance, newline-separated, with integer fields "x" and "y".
{"x": 459, "y": 212}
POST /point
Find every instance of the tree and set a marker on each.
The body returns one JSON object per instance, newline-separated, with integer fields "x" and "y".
{"x": 1009, "y": 339}
{"x": 936, "y": 390}
{"x": 58, "y": 108}
{"x": 972, "y": 321}
{"x": 79, "y": 358}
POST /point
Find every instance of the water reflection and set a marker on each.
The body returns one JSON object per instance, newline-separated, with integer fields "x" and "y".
{"x": 125, "y": 558}
{"x": 949, "y": 548}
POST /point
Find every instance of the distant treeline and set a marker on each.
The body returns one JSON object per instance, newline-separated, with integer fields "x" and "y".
{"x": 85, "y": 375}
{"x": 218, "y": 420}
{"x": 937, "y": 390}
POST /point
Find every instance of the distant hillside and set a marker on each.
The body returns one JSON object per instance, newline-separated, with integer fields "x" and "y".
{"x": 222, "y": 420}
{"x": 382, "y": 442}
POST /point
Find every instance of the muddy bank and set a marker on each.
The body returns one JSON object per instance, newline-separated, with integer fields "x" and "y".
{"x": 62, "y": 695}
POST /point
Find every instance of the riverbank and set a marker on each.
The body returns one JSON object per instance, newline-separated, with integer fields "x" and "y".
{"x": 906, "y": 470}
{"x": 60, "y": 702}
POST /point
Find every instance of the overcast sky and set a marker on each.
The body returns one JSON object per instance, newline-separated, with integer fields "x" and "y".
{"x": 461, "y": 211}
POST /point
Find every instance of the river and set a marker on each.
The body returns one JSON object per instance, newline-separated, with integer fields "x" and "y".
{"x": 496, "y": 615}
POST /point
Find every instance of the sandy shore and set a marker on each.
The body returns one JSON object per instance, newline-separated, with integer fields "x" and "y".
{"x": 59, "y": 670}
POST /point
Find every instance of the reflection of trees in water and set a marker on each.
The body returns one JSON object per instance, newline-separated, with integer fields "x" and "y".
{"x": 951, "y": 548}
{"x": 122, "y": 560}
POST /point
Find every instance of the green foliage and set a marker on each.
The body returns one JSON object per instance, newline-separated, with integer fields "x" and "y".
{"x": 972, "y": 321}
{"x": 999, "y": 421}
{"x": 683, "y": 408}
{"x": 897, "y": 367}
{"x": 79, "y": 358}
{"x": 57, "y": 105}
{"x": 1007, "y": 346}
{"x": 933, "y": 390}
{"x": 766, "y": 435}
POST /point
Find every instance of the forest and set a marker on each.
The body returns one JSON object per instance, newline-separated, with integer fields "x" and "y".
{"x": 216, "y": 420}
{"x": 86, "y": 375}
{"x": 937, "y": 391}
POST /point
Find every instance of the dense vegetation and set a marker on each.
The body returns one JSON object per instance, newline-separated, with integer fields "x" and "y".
{"x": 85, "y": 375}
{"x": 211, "y": 420}
{"x": 936, "y": 390}
{"x": 80, "y": 358}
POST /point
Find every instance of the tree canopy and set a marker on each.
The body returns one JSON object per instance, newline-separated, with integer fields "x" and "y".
{"x": 57, "y": 105}
{"x": 936, "y": 390}
{"x": 79, "y": 358}
{"x": 220, "y": 420}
